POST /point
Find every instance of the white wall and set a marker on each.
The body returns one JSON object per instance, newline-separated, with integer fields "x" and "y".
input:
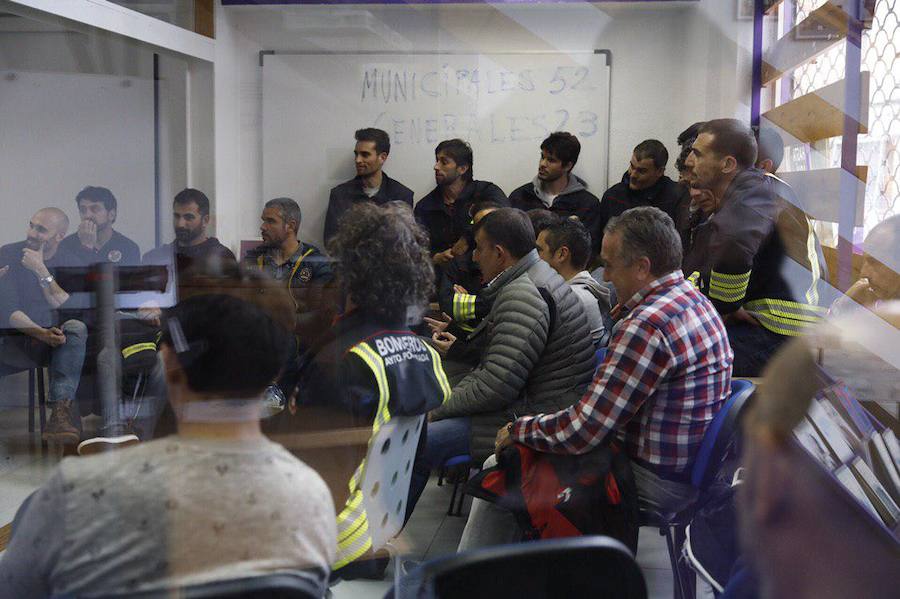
{"x": 674, "y": 63}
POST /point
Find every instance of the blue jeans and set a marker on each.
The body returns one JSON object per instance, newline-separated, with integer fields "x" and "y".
{"x": 444, "y": 439}
{"x": 65, "y": 361}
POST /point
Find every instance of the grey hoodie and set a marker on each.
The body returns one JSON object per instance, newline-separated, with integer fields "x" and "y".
{"x": 575, "y": 184}
{"x": 596, "y": 300}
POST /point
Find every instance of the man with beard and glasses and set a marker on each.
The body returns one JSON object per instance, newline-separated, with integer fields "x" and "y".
{"x": 32, "y": 331}
{"x": 96, "y": 240}
{"x": 556, "y": 189}
{"x": 192, "y": 249}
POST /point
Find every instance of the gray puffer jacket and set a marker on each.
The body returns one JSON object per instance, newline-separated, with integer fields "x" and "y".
{"x": 536, "y": 360}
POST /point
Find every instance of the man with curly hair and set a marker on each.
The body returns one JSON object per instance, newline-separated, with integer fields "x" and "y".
{"x": 385, "y": 277}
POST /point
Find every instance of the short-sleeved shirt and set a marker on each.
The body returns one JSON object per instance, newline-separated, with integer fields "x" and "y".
{"x": 118, "y": 250}
{"x": 21, "y": 290}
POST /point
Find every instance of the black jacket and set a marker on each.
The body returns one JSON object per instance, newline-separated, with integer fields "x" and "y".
{"x": 118, "y": 250}
{"x": 665, "y": 194}
{"x": 574, "y": 200}
{"x": 759, "y": 254}
{"x": 348, "y": 193}
{"x": 445, "y": 226}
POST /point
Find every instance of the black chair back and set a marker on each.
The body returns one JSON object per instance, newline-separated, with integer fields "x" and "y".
{"x": 593, "y": 566}
{"x": 280, "y": 585}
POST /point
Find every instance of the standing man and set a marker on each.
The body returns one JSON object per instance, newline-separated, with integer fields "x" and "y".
{"x": 556, "y": 189}
{"x": 192, "y": 249}
{"x": 738, "y": 257}
{"x": 444, "y": 212}
{"x": 96, "y": 240}
{"x": 29, "y": 299}
{"x": 645, "y": 184}
{"x": 370, "y": 184}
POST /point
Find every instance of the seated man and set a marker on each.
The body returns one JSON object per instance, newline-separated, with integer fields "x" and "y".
{"x": 566, "y": 246}
{"x": 369, "y": 367}
{"x": 371, "y": 183}
{"x": 32, "y": 334}
{"x": 667, "y": 373}
{"x": 538, "y": 353}
{"x": 193, "y": 249}
{"x": 645, "y": 184}
{"x": 216, "y": 501}
{"x": 444, "y": 212}
{"x": 879, "y": 277}
{"x": 557, "y": 190}
{"x": 96, "y": 240}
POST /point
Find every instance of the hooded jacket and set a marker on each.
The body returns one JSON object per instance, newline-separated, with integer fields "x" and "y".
{"x": 538, "y": 356}
{"x": 597, "y": 303}
{"x": 574, "y": 200}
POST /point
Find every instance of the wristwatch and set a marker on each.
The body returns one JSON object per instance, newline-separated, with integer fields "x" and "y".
{"x": 46, "y": 281}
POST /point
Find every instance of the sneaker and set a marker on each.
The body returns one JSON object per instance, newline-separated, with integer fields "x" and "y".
{"x": 60, "y": 427}
{"x": 109, "y": 439}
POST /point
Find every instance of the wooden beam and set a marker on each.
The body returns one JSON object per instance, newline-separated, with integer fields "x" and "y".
{"x": 820, "y": 114}
{"x": 205, "y": 18}
{"x": 822, "y": 29}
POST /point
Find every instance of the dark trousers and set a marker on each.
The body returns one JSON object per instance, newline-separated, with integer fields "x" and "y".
{"x": 753, "y": 346}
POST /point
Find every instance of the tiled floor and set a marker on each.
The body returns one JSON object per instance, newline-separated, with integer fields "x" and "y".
{"x": 431, "y": 532}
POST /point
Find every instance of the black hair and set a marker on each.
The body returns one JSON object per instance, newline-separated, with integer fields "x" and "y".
{"x": 732, "y": 137}
{"x": 226, "y": 346}
{"x": 652, "y": 148}
{"x": 564, "y": 146}
{"x": 380, "y": 138}
{"x": 510, "y": 228}
{"x": 769, "y": 146}
{"x": 97, "y": 194}
{"x": 541, "y": 219}
{"x": 569, "y": 232}
{"x": 460, "y": 152}
{"x": 186, "y": 196}
{"x": 383, "y": 261}
{"x": 687, "y": 137}
{"x": 681, "y": 161}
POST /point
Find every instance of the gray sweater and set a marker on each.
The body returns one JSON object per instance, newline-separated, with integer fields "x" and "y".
{"x": 170, "y": 512}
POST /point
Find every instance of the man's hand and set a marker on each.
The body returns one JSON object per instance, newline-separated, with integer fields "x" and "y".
{"x": 443, "y": 341}
{"x": 3, "y": 271}
{"x": 33, "y": 260}
{"x": 741, "y": 315}
{"x": 460, "y": 289}
{"x": 438, "y": 326}
{"x": 862, "y": 293}
{"x": 503, "y": 439}
{"x": 53, "y": 337}
{"x": 87, "y": 234}
{"x": 442, "y": 258}
{"x": 460, "y": 247}
{"x": 150, "y": 313}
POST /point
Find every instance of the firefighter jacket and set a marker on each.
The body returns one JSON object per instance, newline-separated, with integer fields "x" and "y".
{"x": 374, "y": 371}
{"x": 759, "y": 252}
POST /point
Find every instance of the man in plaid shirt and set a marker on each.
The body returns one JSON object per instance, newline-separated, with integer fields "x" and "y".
{"x": 666, "y": 374}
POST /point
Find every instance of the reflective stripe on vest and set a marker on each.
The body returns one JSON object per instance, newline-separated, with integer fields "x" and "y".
{"x": 463, "y": 307}
{"x": 727, "y": 287}
{"x": 136, "y": 348}
{"x": 439, "y": 373}
{"x": 694, "y": 279}
{"x": 785, "y": 317}
{"x": 352, "y": 523}
{"x": 812, "y": 294}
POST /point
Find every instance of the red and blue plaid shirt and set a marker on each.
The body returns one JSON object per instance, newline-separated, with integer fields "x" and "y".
{"x": 666, "y": 374}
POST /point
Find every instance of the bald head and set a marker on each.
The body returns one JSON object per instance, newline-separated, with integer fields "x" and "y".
{"x": 57, "y": 218}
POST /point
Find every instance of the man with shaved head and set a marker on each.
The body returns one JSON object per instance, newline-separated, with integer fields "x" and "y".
{"x": 32, "y": 334}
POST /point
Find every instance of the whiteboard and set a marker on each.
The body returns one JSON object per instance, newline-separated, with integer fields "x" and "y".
{"x": 504, "y": 105}
{"x": 63, "y": 132}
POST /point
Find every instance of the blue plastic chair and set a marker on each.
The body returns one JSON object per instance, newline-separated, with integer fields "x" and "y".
{"x": 717, "y": 445}
{"x": 459, "y": 462}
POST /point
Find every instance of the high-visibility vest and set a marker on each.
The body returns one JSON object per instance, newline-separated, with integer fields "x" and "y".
{"x": 354, "y": 539}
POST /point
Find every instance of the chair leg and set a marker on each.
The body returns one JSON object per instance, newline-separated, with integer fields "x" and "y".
{"x": 453, "y": 499}
{"x": 42, "y": 400}
{"x": 441, "y": 473}
{"x": 462, "y": 497}
{"x": 677, "y": 582}
{"x": 31, "y": 400}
